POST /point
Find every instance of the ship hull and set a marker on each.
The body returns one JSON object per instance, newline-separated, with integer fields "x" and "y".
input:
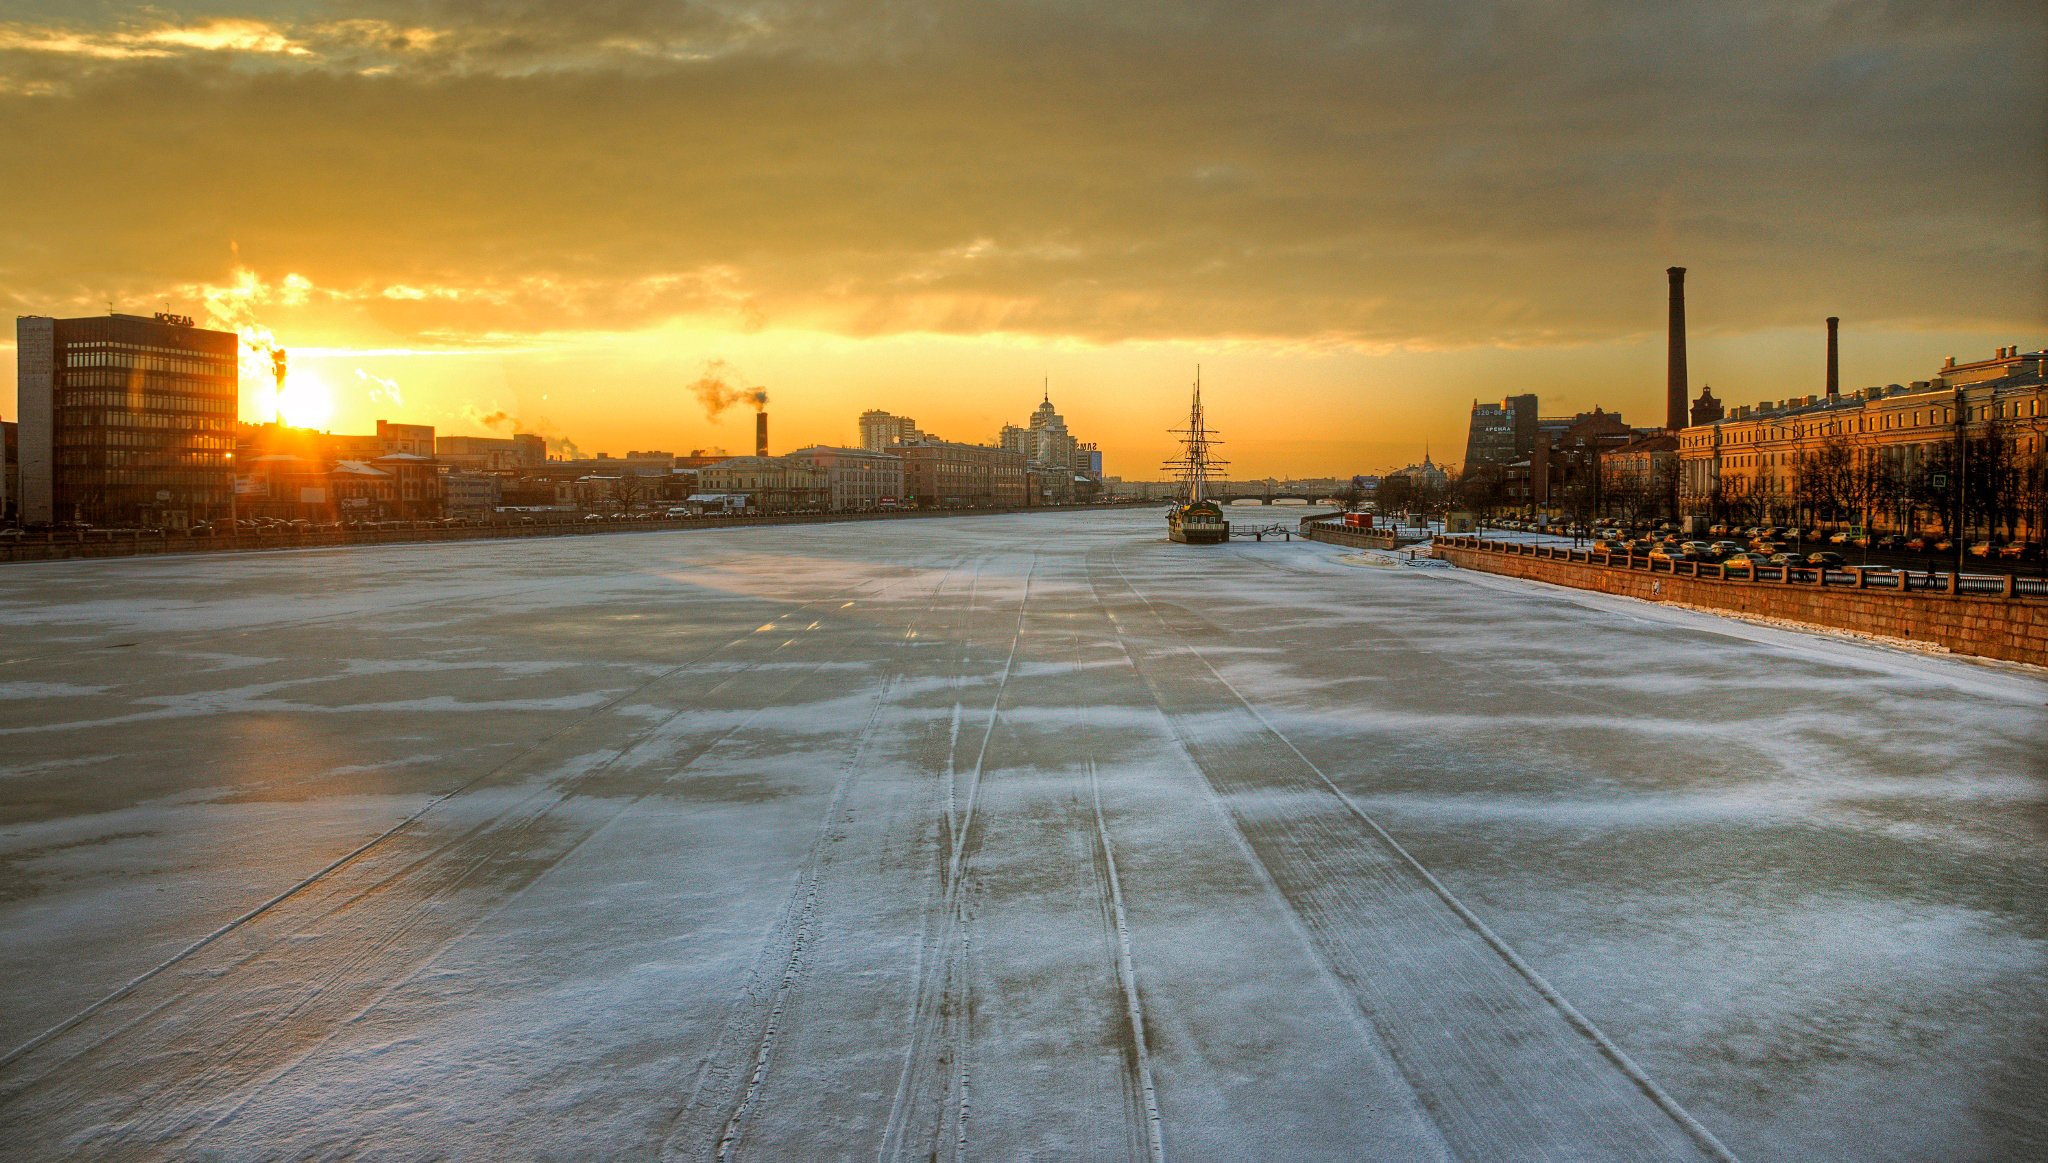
{"x": 1197, "y": 532}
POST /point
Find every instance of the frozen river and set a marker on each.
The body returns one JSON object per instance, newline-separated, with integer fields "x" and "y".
{"x": 989, "y": 838}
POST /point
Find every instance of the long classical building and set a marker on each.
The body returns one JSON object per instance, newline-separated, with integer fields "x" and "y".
{"x": 771, "y": 484}
{"x": 1922, "y": 441}
{"x": 939, "y": 474}
{"x": 857, "y": 479}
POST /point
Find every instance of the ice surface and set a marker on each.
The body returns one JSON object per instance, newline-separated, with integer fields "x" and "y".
{"x": 995, "y": 837}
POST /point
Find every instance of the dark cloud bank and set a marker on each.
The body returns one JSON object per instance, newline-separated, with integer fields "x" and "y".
{"x": 1387, "y": 173}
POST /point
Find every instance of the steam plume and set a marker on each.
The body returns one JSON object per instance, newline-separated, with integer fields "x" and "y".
{"x": 716, "y": 391}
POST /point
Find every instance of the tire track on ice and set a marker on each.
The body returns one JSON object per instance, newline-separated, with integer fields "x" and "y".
{"x": 1503, "y": 1063}
{"x": 1140, "y": 1062}
{"x": 942, "y": 1009}
{"x": 380, "y": 937}
{"x": 732, "y": 1079}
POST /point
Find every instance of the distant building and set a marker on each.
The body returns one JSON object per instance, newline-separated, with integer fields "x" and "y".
{"x": 1500, "y": 434}
{"x": 1706, "y": 409}
{"x": 1562, "y": 472}
{"x": 1428, "y": 474}
{"x": 493, "y": 453}
{"x": 1639, "y": 479}
{"x": 125, "y": 420}
{"x": 1063, "y": 469}
{"x": 881, "y": 431}
{"x": 772, "y": 484}
{"x": 940, "y": 474}
{"x": 1903, "y": 451}
{"x": 10, "y": 471}
{"x": 411, "y": 439}
{"x": 471, "y": 493}
{"x": 856, "y": 479}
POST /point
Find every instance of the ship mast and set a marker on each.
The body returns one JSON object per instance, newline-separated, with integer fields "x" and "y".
{"x": 1196, "y": 464}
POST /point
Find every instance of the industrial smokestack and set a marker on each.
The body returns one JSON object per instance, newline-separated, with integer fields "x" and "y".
{"x": 760, "y": 434}
{"x": 1675, "y": 389}
{"x": 1834, "y": 359}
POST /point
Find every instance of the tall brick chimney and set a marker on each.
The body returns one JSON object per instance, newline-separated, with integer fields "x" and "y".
{"x": 1834, "y": 359}
{"x": 760, "y": 434}
{"x": 1674, "y": 377}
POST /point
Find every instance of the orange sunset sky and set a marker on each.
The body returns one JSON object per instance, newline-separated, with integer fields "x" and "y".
{"x": 1356, "y": 217}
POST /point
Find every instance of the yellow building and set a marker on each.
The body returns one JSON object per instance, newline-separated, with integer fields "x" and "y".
{"x": 1904, "y": 458}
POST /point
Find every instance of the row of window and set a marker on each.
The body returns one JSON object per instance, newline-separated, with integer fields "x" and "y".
{"x": 117, "y": 458}
{"x": 165, "y": 478}
{"x": 149, "y": 402}
{"x": 180, "y": 363}
{"x": 130, "y": 438}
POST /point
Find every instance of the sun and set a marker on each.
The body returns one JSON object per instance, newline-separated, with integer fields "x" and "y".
{"x": 305, "y": 401}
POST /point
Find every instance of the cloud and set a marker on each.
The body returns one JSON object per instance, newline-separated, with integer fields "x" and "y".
{"x": 1372, "y": 175}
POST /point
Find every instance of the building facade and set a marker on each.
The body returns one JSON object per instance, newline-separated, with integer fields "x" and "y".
{"x": 1961, "y": 452}
{"x": 492, "y": 453}
{"x": 857, "y": 479}
{"x": 772, "y": 484}
{"x": 1639, "y": 480}
{"x": 880, "y": 431}
{"x": 125, "y": 420}
{"x": 940, "y": 474}
{"x": 470, "y": 494}
{"x": 1500, "y": 434}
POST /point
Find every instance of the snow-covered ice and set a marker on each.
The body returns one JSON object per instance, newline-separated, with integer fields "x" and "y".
{"x": 994, "y": 837}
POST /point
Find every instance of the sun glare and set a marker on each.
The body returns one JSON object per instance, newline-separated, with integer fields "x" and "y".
{"x": 305, "y": 401}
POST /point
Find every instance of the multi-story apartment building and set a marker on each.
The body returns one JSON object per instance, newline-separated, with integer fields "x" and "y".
{"x": 857, "y": 479}
{"x": 125, "y": 420}
{"x": 1911, "y": 454}
{"x": 881, "y": 431}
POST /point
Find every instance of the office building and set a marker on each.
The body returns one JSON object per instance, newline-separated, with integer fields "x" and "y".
{"x": 125, "y": 420}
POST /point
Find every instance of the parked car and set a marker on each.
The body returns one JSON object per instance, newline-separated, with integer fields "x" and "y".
{"x": 1916, "y": 544}
{"x": 1825, "y": 560}
{"x": 1610, "y": 545}
{"x": 1841, "y": 538}
{"x": 1792, "y": 560}
{"x": 1744, "y": 561}
{"x": 2016, "y": 551}
{"x": 1720, "y": 549}
{"x": 1890, "y": 541}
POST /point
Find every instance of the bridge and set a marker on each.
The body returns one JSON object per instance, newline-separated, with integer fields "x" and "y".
{"x": 1226, "y": 493}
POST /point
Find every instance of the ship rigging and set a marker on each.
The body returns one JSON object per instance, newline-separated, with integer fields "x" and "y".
{"x": 1196, "y": 520}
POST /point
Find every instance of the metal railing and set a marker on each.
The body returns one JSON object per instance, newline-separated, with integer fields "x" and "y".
{"x": 1904, "y": 581}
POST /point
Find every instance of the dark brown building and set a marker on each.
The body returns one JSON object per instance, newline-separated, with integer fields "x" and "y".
{"x": 939, "y": 474}
{"x": 125, "y": 420}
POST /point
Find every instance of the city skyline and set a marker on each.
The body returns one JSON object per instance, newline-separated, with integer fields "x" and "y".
{"x": 1371, "y": 218}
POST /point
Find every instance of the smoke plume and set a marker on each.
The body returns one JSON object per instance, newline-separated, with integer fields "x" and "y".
{"x": 716, "y": 390}
{"x": 503, "y": 421}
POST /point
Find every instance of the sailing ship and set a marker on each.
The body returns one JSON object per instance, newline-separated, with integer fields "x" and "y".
{"x": 1195, "y": 519}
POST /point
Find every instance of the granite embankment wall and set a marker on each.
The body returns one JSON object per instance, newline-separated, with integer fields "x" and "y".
{"x": 1336, "y": 533}
{"x": 2004, "y": 624}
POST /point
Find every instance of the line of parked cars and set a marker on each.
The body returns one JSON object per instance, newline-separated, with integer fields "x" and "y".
{"x": 1773, "y": 544}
